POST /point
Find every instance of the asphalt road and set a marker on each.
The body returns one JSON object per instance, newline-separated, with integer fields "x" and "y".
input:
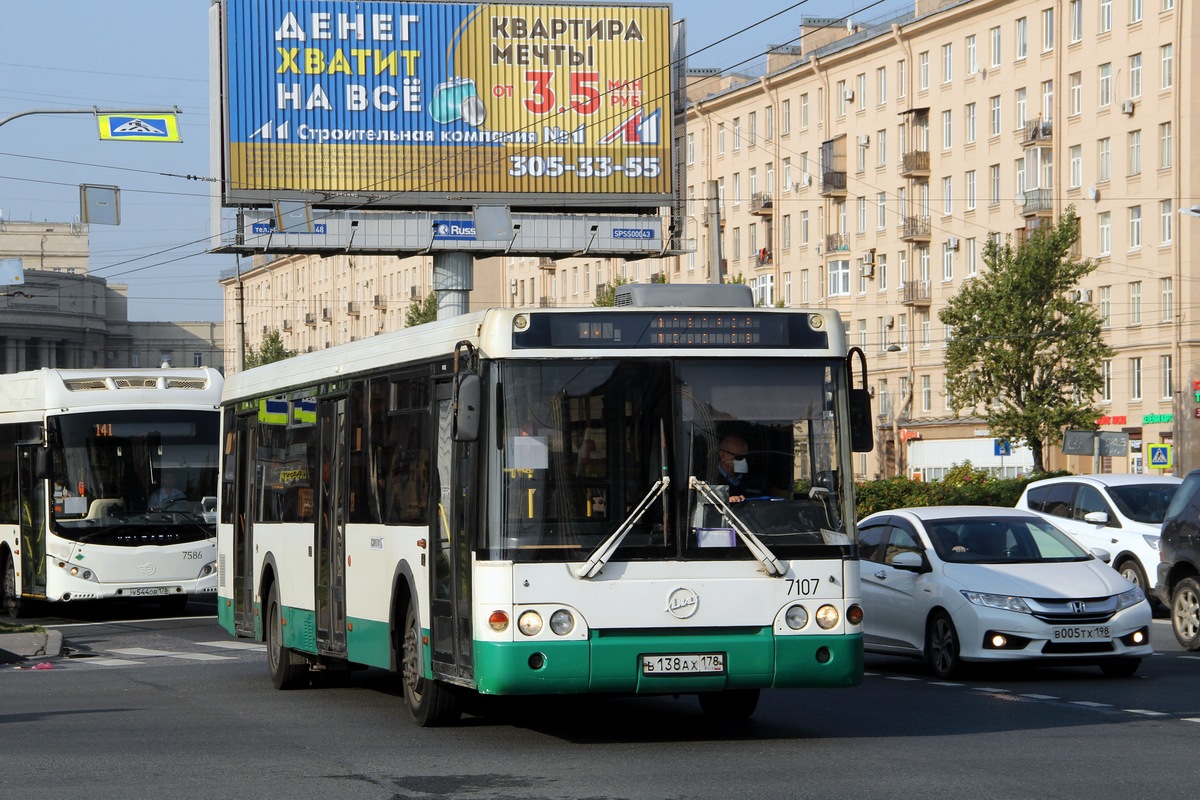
{"x": 143, "y": 706}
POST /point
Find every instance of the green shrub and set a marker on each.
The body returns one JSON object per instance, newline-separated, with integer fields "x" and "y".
{"x": 962, "y": 485}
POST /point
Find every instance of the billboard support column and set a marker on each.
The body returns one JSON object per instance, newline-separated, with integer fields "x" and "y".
{"x": 452, "y": 280}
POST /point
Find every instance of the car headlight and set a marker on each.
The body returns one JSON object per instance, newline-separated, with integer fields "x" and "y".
{"x": 1130, "y": 598}
{"x": 1004, "y": 602}
{"x": 1151, "y": 540}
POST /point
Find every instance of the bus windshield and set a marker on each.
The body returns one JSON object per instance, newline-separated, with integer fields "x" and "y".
{"x": 123, "y": 476}
{"x": 688, "y": 455}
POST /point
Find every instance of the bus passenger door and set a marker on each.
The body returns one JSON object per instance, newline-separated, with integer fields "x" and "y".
{"x": 32, "y": 505}
{"x": 243, "y": 528}
{"x": 331, "y": 527}
{"x": 453, "y": 520}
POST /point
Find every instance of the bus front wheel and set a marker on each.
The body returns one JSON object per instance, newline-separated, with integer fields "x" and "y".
{"x": 288, "y": 671}
{"x": 432, "y": 703}
{"x": 12, "y": 601}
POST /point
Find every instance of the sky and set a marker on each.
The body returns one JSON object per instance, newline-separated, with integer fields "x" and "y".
{"x": 73, "y": 55}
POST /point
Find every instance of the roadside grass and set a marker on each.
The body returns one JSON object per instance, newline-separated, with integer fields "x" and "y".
{"x": 8, "y": 627}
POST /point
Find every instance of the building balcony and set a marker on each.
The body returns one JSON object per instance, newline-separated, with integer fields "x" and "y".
{"x": 326, "y": 314}
{"x": 1038, "y": 202}
{"x": 833, "y": 183}
{"x": 287, "y": 324}
{"x": 836, "y": 241}
{"x": 1038, "y": 131}
{"x": 546, "y": 302}
{"x": 380, "y": 302}
{"x": 916, "y": 229}
{"x": 915, "y": 164}
{"x": 915, "y": 293}
{"x": 310, "y": 320}
{"x": 353, "y": 309}
{"x": 762, "y": 205}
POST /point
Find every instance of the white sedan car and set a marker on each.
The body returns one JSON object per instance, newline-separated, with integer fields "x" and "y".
{"x": 955, "y": 584}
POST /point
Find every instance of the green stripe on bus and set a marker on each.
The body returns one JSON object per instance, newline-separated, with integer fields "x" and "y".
{"x": 369, "y": 642}
{"x": 613, "y": 663}
{"x": 225, "y": 613}
{"x": 300, "y": 629}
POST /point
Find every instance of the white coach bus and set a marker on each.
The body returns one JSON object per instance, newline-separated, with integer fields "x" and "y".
{"x": 529, "y": 501}
{"x": 108, "y": 482}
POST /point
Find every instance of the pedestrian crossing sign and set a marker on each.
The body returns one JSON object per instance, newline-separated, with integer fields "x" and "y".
{"x": 139, "y": 127}
{"x": 1160, "y": 456}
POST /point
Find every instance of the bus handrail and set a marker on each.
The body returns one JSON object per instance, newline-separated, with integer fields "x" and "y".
{"x": 773, "y": 566}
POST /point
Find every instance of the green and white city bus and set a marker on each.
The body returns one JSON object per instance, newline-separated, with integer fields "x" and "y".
{"x": 527, "y": 501}
{"x": 108, "y": 485}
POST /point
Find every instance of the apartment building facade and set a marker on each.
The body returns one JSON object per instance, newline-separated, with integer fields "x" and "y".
{"x": 867, "y": 169}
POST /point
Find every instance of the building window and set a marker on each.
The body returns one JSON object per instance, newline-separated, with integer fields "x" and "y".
{"x": 1104, "y": 159}
{"x": 926, "y": 393}
{"x": 1075, "y": 10}
{"x": 881, "y": 148}
{"x": 737, "y": 134}
{"x": 1135, "y": 303}
{"x": 1104, "y": 242}
{"x": 901, "y": 78}
{"x": 1047, "y": 30}
{"x": 862, "y": 90}
{"x": 1135, "y": 75}
{"x": 881, "y": 210}
{"x": 994, "y": 184}
{"x": 691, "y": 148}
{"x": 881, "y": 271}
{"x": 787, "y": 232}
{"x": 969, "y": 122}
{"x": 1106, "y": 380}
{"x": 839, "y": 278}
{"x": 197, "y": 359}
{"x": 1135, "y": 227}
{"x": 995, "y": 40}
{"x": 1020, "y": 106}
{"x": 947, "y": 63}
{"x": 1075, "y": 81}
{"x": 923, "y": 70}
{"x": 1022, "y": 34}
{"x": 972, "y": 257}
{"x": 971, "y": 190}
{"x": 1105, "y": 16}
{"x": 803, "y": 227}
{"x": 1166, "y": 221}
{"x": 947, "y": 262}
{"x": 947, "y": 195}
{"x": 1165, "y": 156}
{"x": 804, "y": 111}
{"x": 1135, "y": 379}
{"x": 1075, "y": 159}
{"x": 1104, "y": 98}
{"x": 1168, "y": 66}
{"x": 972, "y": 58}
{"x": 1106, "y": 306}
{"x": 1135, "y": 152}
{"x": 994, "y": 103}
{"x": 1167, "y": 303}
{"x": 881, "y": 85}
{"x": 1167, "y": 388}
{"x": 785, "y": 117}
{"x": 752, "y": 128}
{"x": 720, "y": 138}
{"x": 1135, "y": 11}
{"x": 947, "y": 130}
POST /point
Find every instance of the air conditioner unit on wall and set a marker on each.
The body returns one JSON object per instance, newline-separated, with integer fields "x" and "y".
{"x": 1126, "y": 106}
{"x": 952, "y": 243}
{"x": 848, "y": 95}
{"x": 806, "y": 181}
{"x": 864, "y": 140}
{"x": 869, "y": 257}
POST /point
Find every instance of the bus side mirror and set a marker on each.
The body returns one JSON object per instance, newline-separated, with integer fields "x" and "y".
{"x": 467, "y": 402}
{"x": 862, "y": 433}
{"x": 41, "y": 463}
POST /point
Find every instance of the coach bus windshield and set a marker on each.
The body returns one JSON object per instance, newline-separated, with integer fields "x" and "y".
{"x": 134, "y": 477}
{"x": 587, "y": 446}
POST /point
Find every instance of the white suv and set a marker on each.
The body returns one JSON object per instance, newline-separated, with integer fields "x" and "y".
{"x": 1122, "y": 514}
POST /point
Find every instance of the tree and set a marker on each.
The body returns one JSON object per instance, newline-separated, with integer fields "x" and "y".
{"x": 606, "y": 295}
{"x": 270, "y": 351}
{"x": 1022, "y": 350}
{"x": 422, "y": 312}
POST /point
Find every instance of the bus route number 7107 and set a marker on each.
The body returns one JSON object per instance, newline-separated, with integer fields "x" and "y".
{"x": 802, "y": 587}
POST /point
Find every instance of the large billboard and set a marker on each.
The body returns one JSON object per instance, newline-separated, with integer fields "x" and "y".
{"x": 399, "y": 105}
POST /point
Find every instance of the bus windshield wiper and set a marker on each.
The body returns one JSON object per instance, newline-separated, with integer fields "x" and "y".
{"x": 604, "y": 551}
{"x": 760, "y": 551}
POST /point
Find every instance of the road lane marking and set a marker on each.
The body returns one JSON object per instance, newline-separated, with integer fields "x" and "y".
{"x": 239, "y": 645}
{"x": 110, "y": 662}
{"x": 143, "y": 651}
{"x": 1090, "y": 704}
{"x": 1147, "y": 713}
{"x": 203, "y": 657}
{"x": 1039, "y": 696}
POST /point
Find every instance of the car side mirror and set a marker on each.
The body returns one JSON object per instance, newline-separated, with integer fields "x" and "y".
{"x": 1096, "y": 517}
{"x": 911, "y": 561}
{"x": 1102, "y": 554}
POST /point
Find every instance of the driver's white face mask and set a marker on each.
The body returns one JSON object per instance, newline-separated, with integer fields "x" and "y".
{"x": 741, "y": 466}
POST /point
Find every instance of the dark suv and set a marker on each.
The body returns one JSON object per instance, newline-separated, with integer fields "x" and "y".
{"x": 1179, "y": 565}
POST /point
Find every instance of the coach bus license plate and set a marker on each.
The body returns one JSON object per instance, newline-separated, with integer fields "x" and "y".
{"x": 684, "y": 664}
{"x": 1082, "y": 633}
{"x": 147, "y": 591}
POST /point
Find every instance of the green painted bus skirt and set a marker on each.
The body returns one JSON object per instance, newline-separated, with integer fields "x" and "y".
{"x": 612, "y": 663}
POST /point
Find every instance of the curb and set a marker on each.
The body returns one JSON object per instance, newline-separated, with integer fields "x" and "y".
{"x": 19, "y": 646}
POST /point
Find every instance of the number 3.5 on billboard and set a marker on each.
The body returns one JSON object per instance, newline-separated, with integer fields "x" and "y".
{"x": 585, "y": 97}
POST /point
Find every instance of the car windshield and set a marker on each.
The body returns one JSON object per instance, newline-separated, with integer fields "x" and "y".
{"x": 1144, "y": 502}
{"x": 999, "y": 541}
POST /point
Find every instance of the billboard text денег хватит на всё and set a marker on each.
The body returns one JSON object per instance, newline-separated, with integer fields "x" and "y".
{"x": 414, "y": 103}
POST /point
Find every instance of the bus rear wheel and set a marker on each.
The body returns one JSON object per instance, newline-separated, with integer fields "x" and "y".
{"x": 431, "y": 703}
{"x": 736, "y": 705}
{"x": 288, "y": 671}
{"x": 12, "y": 601}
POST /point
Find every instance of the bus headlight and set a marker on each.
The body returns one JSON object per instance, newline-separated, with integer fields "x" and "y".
{"x": 796, "y": 617}
{"x": 827, "y": 617}
{"x": 561, "y": 622}
{"x": 208, "y": 569}
{"x": 530, "y": 623}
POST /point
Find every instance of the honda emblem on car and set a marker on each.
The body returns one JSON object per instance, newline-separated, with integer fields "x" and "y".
{"x": 1078, "y": 606}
